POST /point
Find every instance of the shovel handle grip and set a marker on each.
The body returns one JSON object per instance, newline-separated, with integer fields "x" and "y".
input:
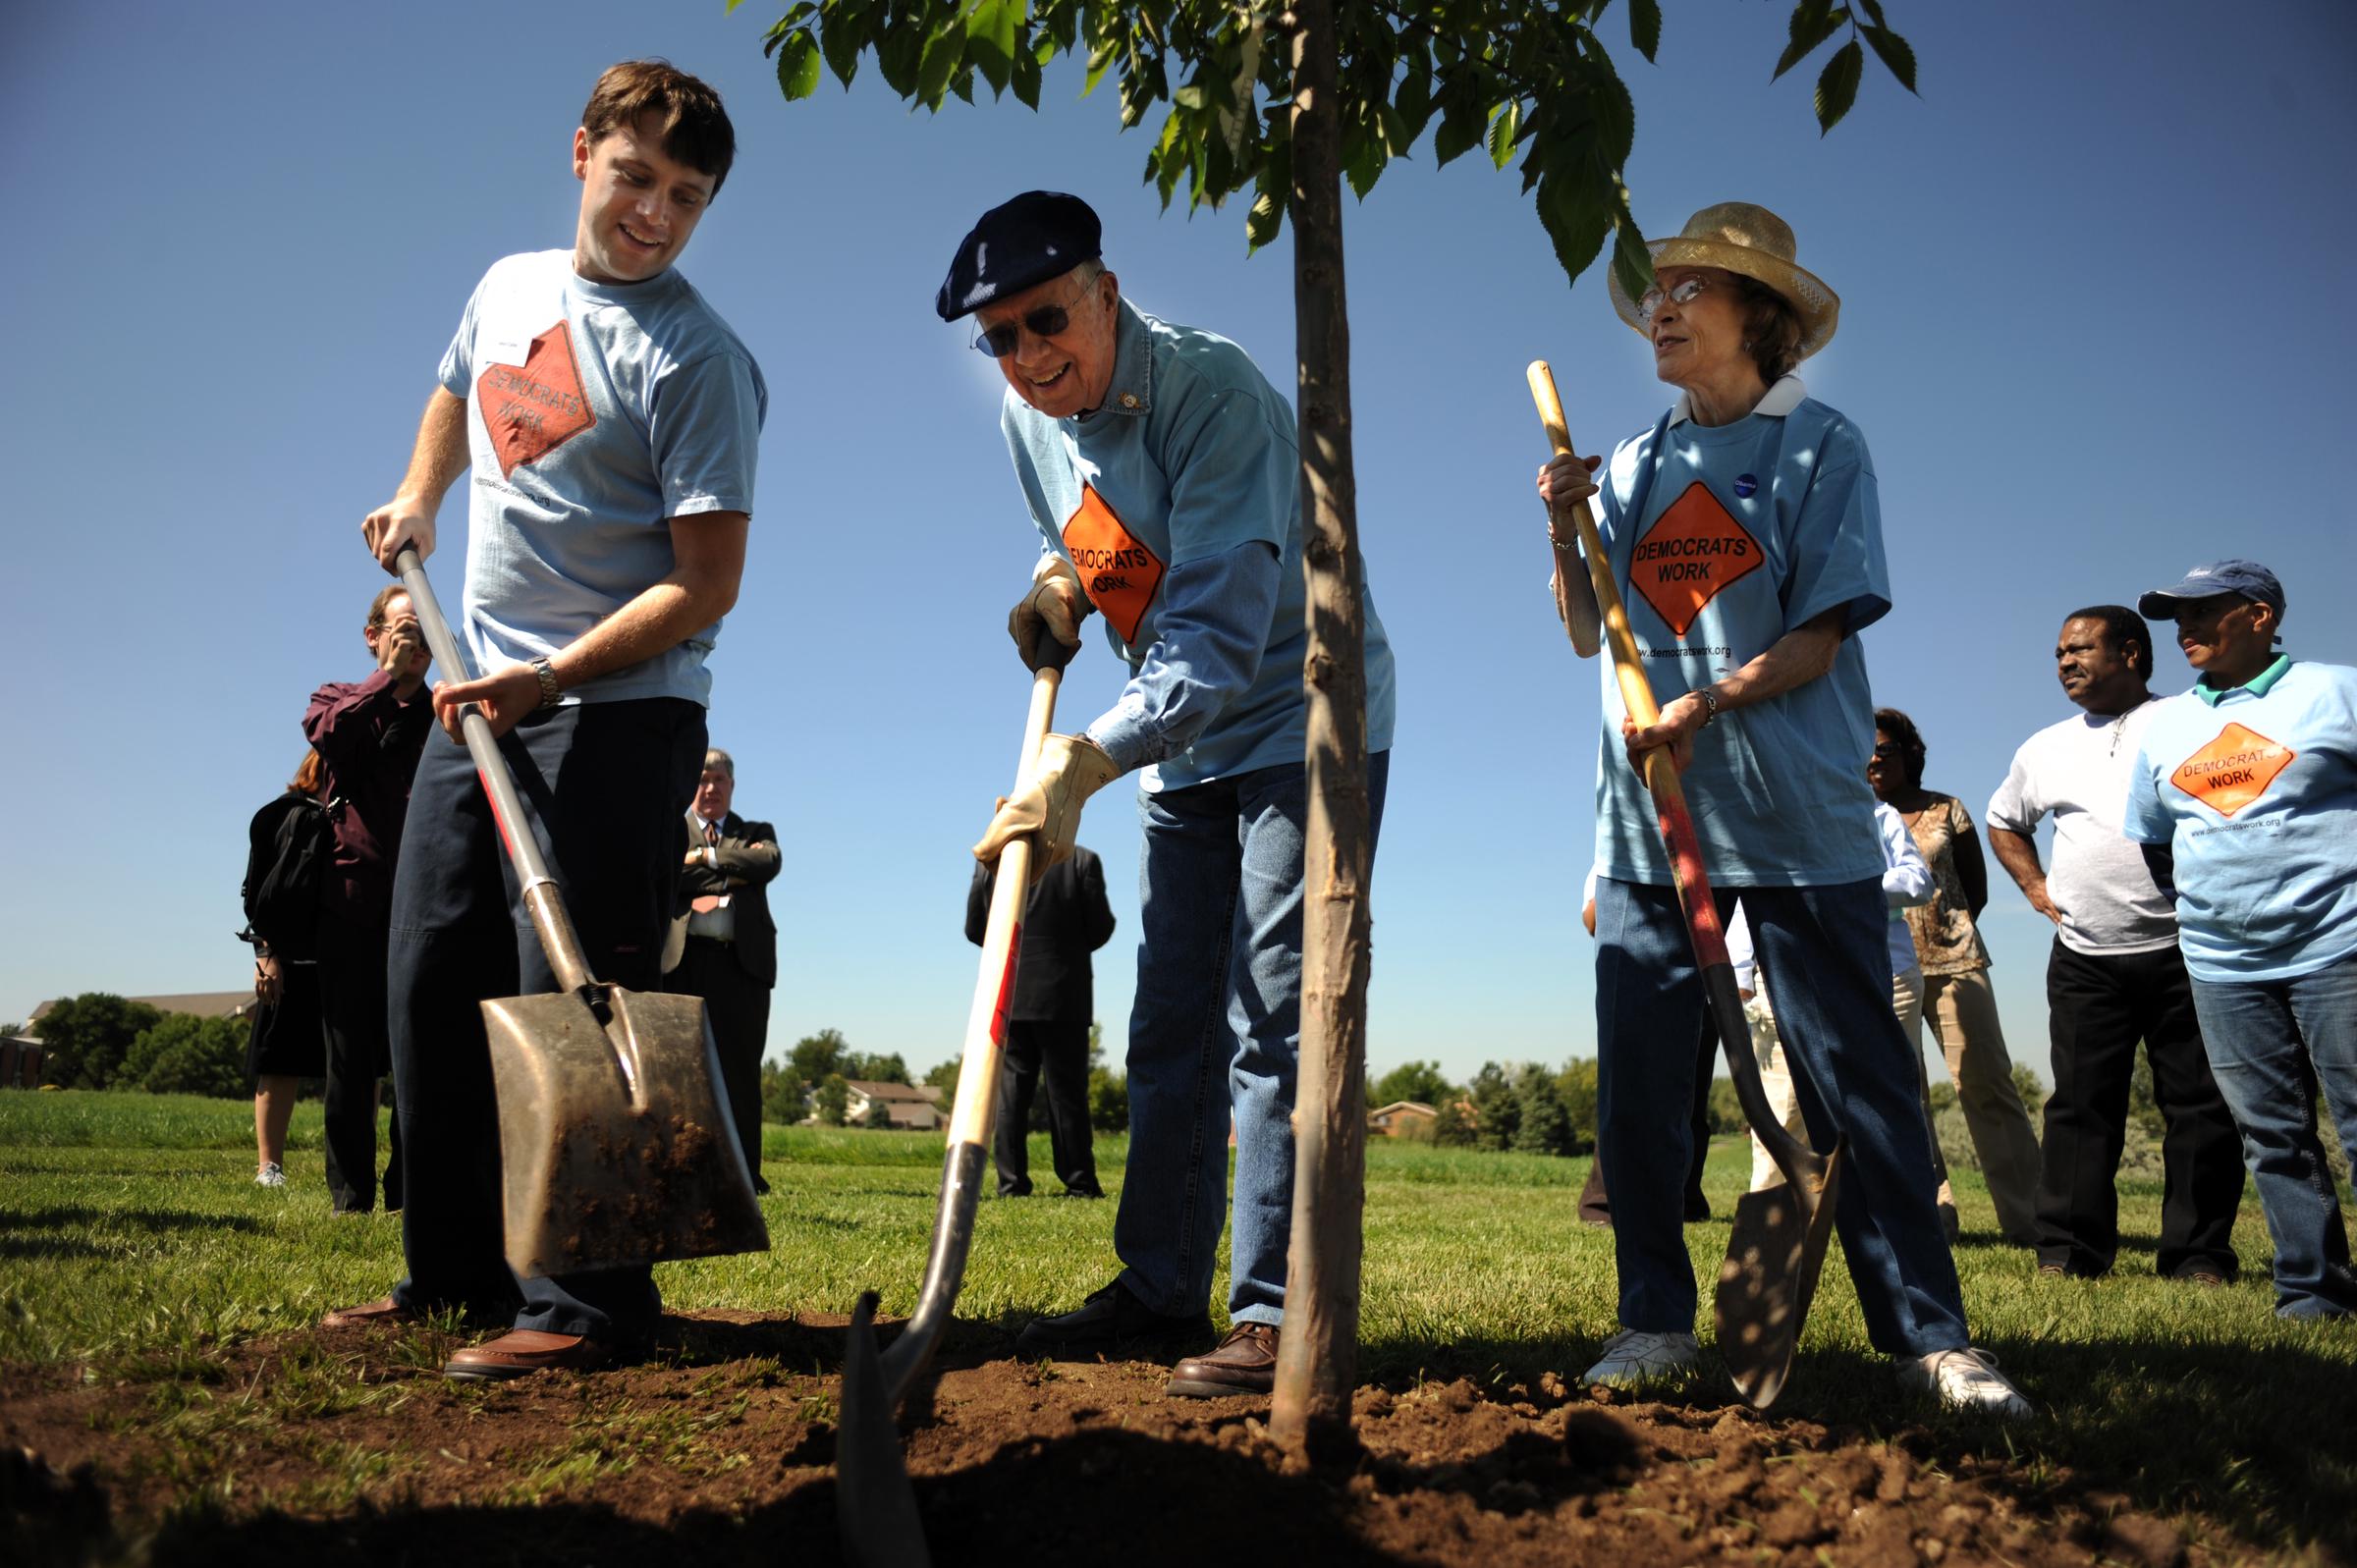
{"x": 539, "y": 888}
{"x": 1678, "y": 838}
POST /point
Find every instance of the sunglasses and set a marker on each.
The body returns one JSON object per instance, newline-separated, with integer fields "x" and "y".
{"x": 1684, "y": 292}
{"x": 1045, "y": 322}
{"x": 1887, "y": 752}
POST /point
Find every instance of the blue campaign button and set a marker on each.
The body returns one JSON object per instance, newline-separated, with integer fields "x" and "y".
{"x": 1745, "y": 485}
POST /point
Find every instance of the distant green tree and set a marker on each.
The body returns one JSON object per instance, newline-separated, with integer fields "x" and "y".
{"x": 1544, "y": 1126}
{"x": 834, "y": 1099}
{"x": 943, "y": 1075}
{"x": 2032, "y": 1090}
{"x": 1943, "y": 1095}
{"x": 85, "y": 1038}
{"x": 813, "y": 1056}
{"x": 182, "y": 1054}
{"x": 1496, "y": 1116}
{"x": 1452, "y": 1128}
{"x": 1108, "y": 1100}
{"x": 1726, "y": 1110}
{"x": 2144, "y": 1107}
{"x": 1575, "y": 1086}
{"x": 785, "y": 1097}
{"x": 874, "y": 1070}
{"x": 879, "y": 1115}
{"x": 1420, "y": 1081}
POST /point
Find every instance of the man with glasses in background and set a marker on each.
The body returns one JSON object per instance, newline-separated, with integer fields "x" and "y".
{"x": 1162, "y": 471}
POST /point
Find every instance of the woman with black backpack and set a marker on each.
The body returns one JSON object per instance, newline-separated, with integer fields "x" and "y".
{"x": 287, "y": 1044}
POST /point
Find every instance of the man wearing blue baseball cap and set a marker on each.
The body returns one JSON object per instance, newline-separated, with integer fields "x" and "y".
{"x": 1161, "y": 469}
{"x": 2245, "y": 795}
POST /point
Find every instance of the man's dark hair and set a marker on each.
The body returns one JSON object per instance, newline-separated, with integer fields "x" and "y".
{"x": 691, "y": 125}
{"x": 2122, "y": 625}
{"x": 1910, "y": 740}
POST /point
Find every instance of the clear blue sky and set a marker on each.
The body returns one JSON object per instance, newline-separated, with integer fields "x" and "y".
{"x": 2096, "y": 326}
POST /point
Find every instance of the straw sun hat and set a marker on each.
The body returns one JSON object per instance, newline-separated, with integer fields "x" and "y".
{"x": 1756, "y": 242}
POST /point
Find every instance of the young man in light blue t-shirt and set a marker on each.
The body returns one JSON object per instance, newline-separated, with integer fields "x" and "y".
{"x": 1160, "y": 471}
{"x": 610, "y": 418}
{"x": 2245, "y": 795}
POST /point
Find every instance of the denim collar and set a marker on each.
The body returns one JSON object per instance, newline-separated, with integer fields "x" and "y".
{"x": 1780, "y": 399}
{"x": 2258, "y": 686}
{"x": 1131, "y": 389}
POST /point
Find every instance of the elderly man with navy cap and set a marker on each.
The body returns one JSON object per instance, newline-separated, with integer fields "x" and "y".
{"x": 1160, "y": 467}
{"x": 2245, "y": 796}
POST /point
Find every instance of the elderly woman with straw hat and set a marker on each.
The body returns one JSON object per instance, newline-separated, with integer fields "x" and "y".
{"x": 1745, "y": 534}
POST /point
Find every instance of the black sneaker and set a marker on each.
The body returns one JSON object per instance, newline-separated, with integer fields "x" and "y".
{"x": 1110, "y": 1318}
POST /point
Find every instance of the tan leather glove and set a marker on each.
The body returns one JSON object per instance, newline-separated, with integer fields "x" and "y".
{"x": 1070, "y": 770}
{"x": 1054, "y": 608}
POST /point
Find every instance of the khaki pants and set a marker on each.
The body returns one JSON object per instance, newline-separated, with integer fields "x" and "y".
{"x": 1962, "y": 1013}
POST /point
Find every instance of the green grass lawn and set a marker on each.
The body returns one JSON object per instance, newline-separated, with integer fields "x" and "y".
{"x": 130, "y": 1228}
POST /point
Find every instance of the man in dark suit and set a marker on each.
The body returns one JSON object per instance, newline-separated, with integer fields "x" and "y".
{"x": 1066, "y": 919}
{"x": 722, "y": 944}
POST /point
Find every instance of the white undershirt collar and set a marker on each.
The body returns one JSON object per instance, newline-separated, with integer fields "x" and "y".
{"x": 1780, "y": 399}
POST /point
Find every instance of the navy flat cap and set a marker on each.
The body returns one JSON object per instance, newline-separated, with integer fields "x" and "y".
{"x": 1038, "y": 236}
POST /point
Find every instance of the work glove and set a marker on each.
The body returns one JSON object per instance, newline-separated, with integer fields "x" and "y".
{"x": 1054, "y": 608}
{"x": 1070, "y": 769}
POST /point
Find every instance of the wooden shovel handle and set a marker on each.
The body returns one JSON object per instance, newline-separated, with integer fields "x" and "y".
{"x": 1002, "y": 940}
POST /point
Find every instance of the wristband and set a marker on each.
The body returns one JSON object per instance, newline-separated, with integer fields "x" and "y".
{"x": 1710, "y": 705}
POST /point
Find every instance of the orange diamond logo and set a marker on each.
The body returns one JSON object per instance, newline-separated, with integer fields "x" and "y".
{"x": 1117, "y": 572}
{"x": 2232, "y": 771}
{"x": 533, "y": 408}
{"x": 1690, "y": 556}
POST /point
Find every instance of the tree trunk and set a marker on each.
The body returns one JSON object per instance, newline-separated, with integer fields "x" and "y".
{"x": 1318, "y": 1356}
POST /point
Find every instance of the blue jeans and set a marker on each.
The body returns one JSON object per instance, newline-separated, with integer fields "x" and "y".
{"x": 1213, "y": 1036}
{"x": 2272, "y": 1044}
{"x": 604, "y": 784}
{"x": 1825, "y": 958}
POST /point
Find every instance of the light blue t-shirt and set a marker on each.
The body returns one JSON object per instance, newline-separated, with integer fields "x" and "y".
{"x": 1741, "y": 533}
{"x": 595, "y": 414}
{"x": 2254, "y": 789}
{"x": 1172, "y": 501}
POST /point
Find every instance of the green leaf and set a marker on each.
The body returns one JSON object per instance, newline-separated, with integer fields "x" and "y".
{"x": 1576, "y": 209}
{"x": 898, "y": 50}
{"x": 1874, "y": 12}
{"x": 1099, "y": 61}
{"x": 1502, "y": 131}
{"x": 798, "y": 65}
{"x": 944, "y": 51}
{"x": 990, "y": 28}
{"x": 1645, "y": 26}
{"x": 1895, "y": 52}
{"x": 844, "y": 37}
{"x": 1263, "y": 221}
{"x": 1632, "y": 261}
{"x": 1026, "y": 79}
{"x": 1460, "y": 130}
{"x": 1414, "y": 107}
{"x": 1813, "y": 21}
{"x": 1837, "y": 86}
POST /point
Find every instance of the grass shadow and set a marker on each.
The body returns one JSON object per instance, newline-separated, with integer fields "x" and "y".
{"x": 154, "y": 1221}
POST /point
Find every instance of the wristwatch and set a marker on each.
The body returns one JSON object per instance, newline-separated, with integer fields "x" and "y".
{"x": 549, "y": 692}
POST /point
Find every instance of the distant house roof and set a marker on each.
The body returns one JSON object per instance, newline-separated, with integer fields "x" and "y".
{"x": 920, "y": 1095}
{"x": 916, "y": 1114}
{"x": 1402, "y": 1107}
{"x": 203, "y": 1004}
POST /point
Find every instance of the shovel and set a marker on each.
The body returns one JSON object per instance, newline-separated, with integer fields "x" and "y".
{"x": 875, "y": 1506}
{"x": 1777, "y": 1242}
{"x": 616, "y": 1144}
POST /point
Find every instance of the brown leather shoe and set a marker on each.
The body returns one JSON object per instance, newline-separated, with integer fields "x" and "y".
{"x": 520, "y": 1352}
{"x": 1245, "y": 1363}
{"x": 382, "y": 1313}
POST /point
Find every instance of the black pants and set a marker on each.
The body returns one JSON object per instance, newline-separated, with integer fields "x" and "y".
{"x": 738, "y": 1007}
{"x": 2097, "y": 1010}
{"x": 1061, "y": 1052}
{"x": 1596, "y": 1205}
{"x": 602, "y": 786}
{"x": 359, "y": 1053}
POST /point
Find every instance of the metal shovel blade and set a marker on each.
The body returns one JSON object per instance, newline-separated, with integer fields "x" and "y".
{"x": 875, "y": 1506}
{"x": 1772, "y": 1256}
{"x": 615, "y": 1135}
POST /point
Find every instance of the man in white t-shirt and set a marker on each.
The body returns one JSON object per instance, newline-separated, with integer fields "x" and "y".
{"x": 2114, "y": 976}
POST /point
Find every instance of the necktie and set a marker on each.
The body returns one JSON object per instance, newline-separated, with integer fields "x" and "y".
{"x": 709, "y": 901}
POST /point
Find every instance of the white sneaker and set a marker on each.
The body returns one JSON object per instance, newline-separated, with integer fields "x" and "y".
{"x": 270, "y": 1175}
{"x": 1964, "y": 1380}
{"x": 1632, "y": 1359}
